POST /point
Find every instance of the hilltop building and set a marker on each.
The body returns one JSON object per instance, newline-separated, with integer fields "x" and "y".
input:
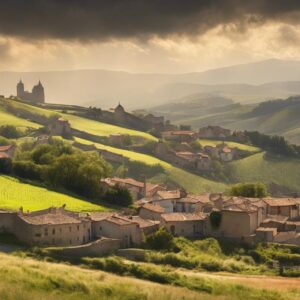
{"x": 36, "y": 96}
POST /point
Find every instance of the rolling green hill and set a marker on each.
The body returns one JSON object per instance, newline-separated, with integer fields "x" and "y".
{"x": 263, "y": 168}
{"x": 189, "y": 181}
{"x": 14, "y": 194}
{"x": 81, "y": 124}
{"x": 239, "y": 146}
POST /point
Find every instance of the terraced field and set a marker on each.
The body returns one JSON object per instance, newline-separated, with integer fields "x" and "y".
{"x": 262, "y": 168}
{"x": 86, "y": 125}
{"x": 14, "y": 194}
{"x": 204, "y": 142}
{"x": 191, "y": 182}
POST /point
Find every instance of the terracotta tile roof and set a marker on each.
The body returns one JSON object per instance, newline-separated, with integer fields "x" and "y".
{"x": 181, "y": 217}
{"x": 51, "y": 216}
{"x": 120, "y": 220}
{"x": 6, "y": 148}
{"x": 204, "y": 199}
{"x": 164, "y": 195}
{"x": 99, "y": 216}
{"x": 144, "y": 223}
{"x": 153, "y": 207}
{"x": 286, "y": 237}
{"x": 4, "y": 155}
{"x": 281, "y": 201}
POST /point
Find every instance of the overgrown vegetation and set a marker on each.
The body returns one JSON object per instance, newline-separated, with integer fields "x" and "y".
{"x": 252, "y": 190}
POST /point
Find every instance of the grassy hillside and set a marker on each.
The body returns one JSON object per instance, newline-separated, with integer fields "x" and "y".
{"x": 14, "y": 194}
{"x": 239, "y": 146}
{"x": 82, "y": 124}
{"x": 27, "y": 279}
{"x": 8, "y": 119}
{"x": 189, "y": 181}
{"x": 261, "y": 167}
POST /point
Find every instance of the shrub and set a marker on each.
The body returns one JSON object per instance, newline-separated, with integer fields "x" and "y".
{"x": 254, "y": 190}
{"x": 215, "y": 219}
{"x": 118, "y": 196}
{"x": 160, "y": 240}
{"x": 27, "y": 169}
{"x": 5, "y": 165}
{"x": 9, "y": 132}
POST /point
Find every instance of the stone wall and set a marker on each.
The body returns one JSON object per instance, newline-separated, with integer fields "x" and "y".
{"x": 101, "y": 247}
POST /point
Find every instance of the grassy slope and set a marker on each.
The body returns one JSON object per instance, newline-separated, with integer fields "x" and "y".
{"x": 244, "y": 147}
{"x": 27, "y": 279}
{"x": 14, "y": 194}
{"x": 190, "y": 182}
{"x": 7, "y": 119}
{"x": 82, "y": 124}
{"x": 259, "y": 167}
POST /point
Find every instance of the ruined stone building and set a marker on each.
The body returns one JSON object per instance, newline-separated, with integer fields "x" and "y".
{"x": 36, "y": 96}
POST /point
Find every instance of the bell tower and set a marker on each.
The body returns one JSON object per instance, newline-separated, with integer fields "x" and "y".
{"x": 20, "y": 89}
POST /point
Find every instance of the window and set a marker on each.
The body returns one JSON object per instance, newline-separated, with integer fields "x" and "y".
{"x": 78, "y": 227}
{"x": 60, "y": 230}
{"x": 46, "y": 231}
{"x": 100, "y": 228}
{"x": 38, "y": 235}
{"x": 70, "y": 242}
{"x": 53, "y": 231}
{"x": 70, "y": 229}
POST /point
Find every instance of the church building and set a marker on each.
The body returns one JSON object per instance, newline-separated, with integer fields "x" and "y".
{"x": 36, "y": 96}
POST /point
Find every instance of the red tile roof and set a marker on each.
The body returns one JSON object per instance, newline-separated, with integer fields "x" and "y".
{"x": 181, "y": 217}
{"x": 153, "y": 207}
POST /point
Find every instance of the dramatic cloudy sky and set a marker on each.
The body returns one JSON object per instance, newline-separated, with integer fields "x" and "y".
{"x": 145, "y": 35}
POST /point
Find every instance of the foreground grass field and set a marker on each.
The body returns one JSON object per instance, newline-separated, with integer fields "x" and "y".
{"x": 14, "y": 194}
{"x": 23, "y": 279}
{"x": 263, "y": 168}
{"x": 204, "y": 142}
{"x": 189, "y": 181}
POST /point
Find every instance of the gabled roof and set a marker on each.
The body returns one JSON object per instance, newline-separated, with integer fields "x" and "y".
{"x": 165, "y": 195}
{"x": 281, "y": 201}
{"x": 120, "y": 220}
{"x": 4, "y": 155}
{"x": 6, "y": 148}
{"x": 153, "y": 207}
{"x": 182, "y": 217}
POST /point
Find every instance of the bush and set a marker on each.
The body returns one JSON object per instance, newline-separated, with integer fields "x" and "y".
{"x": 118, "y": 196}
{"x": 160, "y": 240}
{"x": 5, "y": 165}
{"x": 9, "y": 132}
{"x": 253, "y": 190}
{"x": 27, "y": 169}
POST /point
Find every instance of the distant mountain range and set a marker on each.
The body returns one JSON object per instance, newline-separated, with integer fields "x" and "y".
{"x": 245, "y": 83}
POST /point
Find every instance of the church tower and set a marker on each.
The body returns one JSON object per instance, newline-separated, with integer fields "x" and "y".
{"x": 38, "y": 93}
{"x": 20, "y": 89}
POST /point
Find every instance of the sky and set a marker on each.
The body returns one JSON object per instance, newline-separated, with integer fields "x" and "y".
{"x": 146, "y": 36}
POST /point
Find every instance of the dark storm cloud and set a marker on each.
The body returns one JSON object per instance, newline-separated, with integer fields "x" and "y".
{"x": 104, "y": 19}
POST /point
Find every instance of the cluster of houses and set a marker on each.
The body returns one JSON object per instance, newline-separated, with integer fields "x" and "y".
{"x": 249, "y": 220}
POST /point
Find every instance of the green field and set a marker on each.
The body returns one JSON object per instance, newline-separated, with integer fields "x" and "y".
{"x": 14, "y": 194}
{"x": 83, "y": 124}
{"x": 8, "y": 119}
{"x": 189, "y": 181}
{"x": 204, "y": 142}
{"x": 261, "y": 168}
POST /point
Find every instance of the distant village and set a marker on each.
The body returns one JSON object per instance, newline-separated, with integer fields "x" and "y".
{"x": 247, "y": 220}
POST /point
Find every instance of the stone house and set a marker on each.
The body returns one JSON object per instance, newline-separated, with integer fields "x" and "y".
{"x": 60, "y": 127}
{"x": 203, "y": 162}
{"x": 118, "y": 227}
{"x": 179, "y": 136}
{"x": 136, "y": 188}
{"x": 225, "y": 153}
{"x": 194, "y": 204}
{"x": 183, "y": 147}
{"x": 240, "y": 217}
{"x": 184, "y": 224}
{"x": 151, "y": 212}
{"x": 7, "y": 221}
{"x": 214, "y": 132}
{"x": 265, "y": 234}
{"x": 42, "y": 139}
{"x": 7, "y": 151}
{"x": 289, "y": 207}
{"x": 167, "y": 199}
{"x": 154, "y": 119}
{"x": 148, "y": 226}
{"x": 52, "y": 227}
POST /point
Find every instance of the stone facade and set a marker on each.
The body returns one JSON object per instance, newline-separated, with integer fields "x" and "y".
{"x": 36, "y": 96}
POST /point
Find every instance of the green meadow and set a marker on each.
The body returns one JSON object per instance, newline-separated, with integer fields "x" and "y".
{"x": 14, "y": 194}
{"x": 205, "y": 142}
{"x": 189, "y": 181}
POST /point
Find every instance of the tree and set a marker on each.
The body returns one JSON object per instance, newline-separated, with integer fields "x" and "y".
{"x": 5, "y": 165}
{"x": 118, "y": 196}
{"x": 253, "y": 190}
{"x": 160, "y": 240}
{"x": 9, "y": 132}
